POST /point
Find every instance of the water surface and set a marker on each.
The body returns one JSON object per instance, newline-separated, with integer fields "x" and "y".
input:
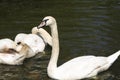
{"x": 86, "y": 27}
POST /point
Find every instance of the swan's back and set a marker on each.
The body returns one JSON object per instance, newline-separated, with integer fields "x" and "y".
{"x": 80, "y": 67}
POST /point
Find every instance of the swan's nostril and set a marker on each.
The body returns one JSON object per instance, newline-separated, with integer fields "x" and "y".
{"x": 41, "y": 25}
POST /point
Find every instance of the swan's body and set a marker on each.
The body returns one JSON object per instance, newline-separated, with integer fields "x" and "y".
{"x": 5, "y": 44}
{"x": 14, "y": 57}
{"x": 77, "y": 68}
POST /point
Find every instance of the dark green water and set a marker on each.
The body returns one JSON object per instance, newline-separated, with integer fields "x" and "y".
{"x": 86, "y": 27}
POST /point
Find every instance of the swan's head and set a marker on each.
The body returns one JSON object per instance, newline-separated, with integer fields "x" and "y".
{"x": 19, "y": 38}
{"x": 47, "y": 21}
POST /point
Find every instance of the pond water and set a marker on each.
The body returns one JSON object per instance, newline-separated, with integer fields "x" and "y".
{"x": 86, "y": 27}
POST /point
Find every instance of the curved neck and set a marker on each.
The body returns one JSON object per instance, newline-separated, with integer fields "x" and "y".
{"x": 46, "y": 36}
{"x": 55, "y": 48}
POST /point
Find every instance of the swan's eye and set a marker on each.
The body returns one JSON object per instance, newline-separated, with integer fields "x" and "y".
{"x": 45, "y": 20}
{"x": 19, "y": 43}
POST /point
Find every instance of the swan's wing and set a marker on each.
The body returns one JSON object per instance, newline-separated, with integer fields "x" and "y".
{"x": 81, "y": 66}
{"x": 9, "y": 51}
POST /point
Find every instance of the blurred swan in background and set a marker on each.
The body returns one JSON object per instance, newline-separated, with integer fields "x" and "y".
{"x": 35, "y": 42}
{"x": 76, "y": 68}
{"x": 14, "y": 57}
{"x": 14, "y": 52}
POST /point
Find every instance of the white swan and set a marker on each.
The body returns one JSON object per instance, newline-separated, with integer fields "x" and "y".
{"x": 77, "y": 68}
{"x": 13, "y": 57}
{"x": 5, "y": 44}
{"x": 36, "y": 43}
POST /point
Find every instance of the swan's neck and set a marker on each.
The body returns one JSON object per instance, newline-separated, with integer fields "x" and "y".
{"x": 55, "y": 49}
{"x": 46, "y": 36}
